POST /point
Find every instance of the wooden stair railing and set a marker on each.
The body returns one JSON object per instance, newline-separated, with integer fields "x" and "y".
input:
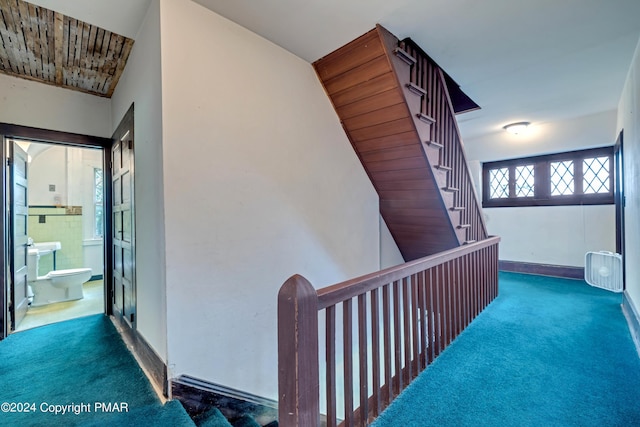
{"x": 436, "y": 104}
{"x": 393, "y": 102}
{"x": 387, "y": 326}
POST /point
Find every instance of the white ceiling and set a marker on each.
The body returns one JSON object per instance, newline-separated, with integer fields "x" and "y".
{"x": 537, "y": 60}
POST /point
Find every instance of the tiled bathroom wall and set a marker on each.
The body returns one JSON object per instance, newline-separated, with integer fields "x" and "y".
{"x": 58, "y": 224}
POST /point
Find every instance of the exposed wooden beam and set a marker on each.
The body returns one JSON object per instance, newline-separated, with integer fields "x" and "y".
{"x": 59, "y": 44}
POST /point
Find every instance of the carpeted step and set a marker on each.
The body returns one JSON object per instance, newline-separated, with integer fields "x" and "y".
{"x": 171, "y": 413}
{"x": 212, "y": 417}
{"x": 245, "y": 421}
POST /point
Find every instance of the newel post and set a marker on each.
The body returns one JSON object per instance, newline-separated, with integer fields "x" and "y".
{"x": 298, "y": 373}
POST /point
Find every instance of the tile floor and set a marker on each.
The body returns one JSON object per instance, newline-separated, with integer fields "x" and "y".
{"x": 92, "y": 303}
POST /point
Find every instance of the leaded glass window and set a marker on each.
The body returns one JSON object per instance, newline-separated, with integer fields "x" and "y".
{"x": 562, "y": 178}
{"x": 595, "y": 175}
{"x": 583, "y": 177}
{"x": 499, "y": 183}
{"x": 525, "y": 181}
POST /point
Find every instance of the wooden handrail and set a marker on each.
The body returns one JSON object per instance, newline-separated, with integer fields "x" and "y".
{"x": 351, "y": 288}
{"x": 405, "y": 316}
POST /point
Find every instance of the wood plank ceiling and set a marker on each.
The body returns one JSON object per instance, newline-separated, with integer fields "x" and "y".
{"x": 46, "y": 46}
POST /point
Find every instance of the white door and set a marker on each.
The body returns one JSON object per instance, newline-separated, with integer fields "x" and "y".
{"x": 19, "y": 206}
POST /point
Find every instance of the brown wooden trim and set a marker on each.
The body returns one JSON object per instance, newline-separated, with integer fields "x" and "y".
{"x": 146, "y": 355}
{"x": 197, "y": 396}
{"x": 633, "y": 319}
{"x": 564, "y": 271}
{"x": 542, "y": 196}
{"x": 52, "y": 136}
{"x": 4, "y": 273}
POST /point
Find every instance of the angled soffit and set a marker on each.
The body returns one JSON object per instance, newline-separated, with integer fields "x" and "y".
{"x": 46, "y": 46}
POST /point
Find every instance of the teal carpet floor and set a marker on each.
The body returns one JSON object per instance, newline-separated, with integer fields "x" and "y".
{"x": 83, "y": 367}
{"x": 546, "y": 352}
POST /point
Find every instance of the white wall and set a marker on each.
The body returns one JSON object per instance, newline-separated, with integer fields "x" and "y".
{"x": 260, "y": 183}
{"x": 629, "y": 121}
{"x": 28, "y": 103}
{"x": 71, "y": 170}
{"x": 48, "y": 168}
{"x": 140, "y": 83}
{"x": 558, "y": 235}
{"x": 390, "y": 255}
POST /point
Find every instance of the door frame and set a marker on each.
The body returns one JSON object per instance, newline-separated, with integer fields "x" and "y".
{"x": 125, "y": 128}
{"x": 8, "y": 131}
{"x": 619, "y": 198}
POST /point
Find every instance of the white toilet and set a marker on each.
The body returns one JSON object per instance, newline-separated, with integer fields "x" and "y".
{"x": 55, "y": 286}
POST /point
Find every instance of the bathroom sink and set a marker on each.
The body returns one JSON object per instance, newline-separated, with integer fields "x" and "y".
{"x": 47, "y": 247}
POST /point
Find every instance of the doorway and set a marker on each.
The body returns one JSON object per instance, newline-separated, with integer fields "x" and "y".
{"x": 15, "y": 242}
{"x": 57, "y": 223}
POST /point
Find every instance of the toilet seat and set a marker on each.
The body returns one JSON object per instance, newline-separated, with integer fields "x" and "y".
{"x": 68, "y": 272}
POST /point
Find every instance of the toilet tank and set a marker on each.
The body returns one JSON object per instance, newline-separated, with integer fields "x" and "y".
{"x": 33, "y": 258}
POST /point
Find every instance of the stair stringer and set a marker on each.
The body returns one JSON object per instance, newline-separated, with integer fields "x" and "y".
{"x": 360, "y": 81}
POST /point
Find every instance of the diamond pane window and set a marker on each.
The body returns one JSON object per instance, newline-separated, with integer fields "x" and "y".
{"x": 525, "y": 180}
{"x": 582, "y": 177}
{"x": 499, "y": 183}
{"x": 562, "y": 178}
{"x": 595, "y": 173}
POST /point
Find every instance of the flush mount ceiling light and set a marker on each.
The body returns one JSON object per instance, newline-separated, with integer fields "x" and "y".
{"x": 517, "y": 128}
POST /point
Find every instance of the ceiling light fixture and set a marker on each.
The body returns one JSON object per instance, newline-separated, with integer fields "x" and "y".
{"x": 517, "y": 128}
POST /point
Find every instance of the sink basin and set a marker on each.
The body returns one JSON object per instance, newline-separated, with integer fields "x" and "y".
{"x": 47, "y": 247}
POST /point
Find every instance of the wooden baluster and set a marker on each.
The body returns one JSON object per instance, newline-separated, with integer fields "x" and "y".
{"x": 386, "y": 331}
{"x": 447, "y": 291}
{"x": 298, "y": 367}
{"x": 455, "y": 300}
{"x": 347, "y": 340}
{"x": 397, "y": 338}
{"x": 406, "y": 337}
{"x": 432, "y": 312}
{"x": 425, "y": 321}
{"x": 473, "y": 280}
{"x": 375, "y": 352}
{"x": 442, "y": 309}
{"x": 467, "y": 280}
{"x": 364, "y": 359}
{"x": 330, "y": 356}
{"x": 415, "y": 332}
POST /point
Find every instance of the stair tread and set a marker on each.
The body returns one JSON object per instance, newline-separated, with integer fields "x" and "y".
{"x": 450, "y": 188}
{"x": 457, "y": 208}
{"x": 464, "y": 225}
{"x": 444, "y": 167}
{"x": 434, "y": 144}
{"x": 426, "y": 118}
{"x": 415, "y": 89}
{"x": 468, "y": 242}
{"x": 404, "y": 55}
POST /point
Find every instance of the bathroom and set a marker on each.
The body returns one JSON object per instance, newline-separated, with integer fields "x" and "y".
{"x": 65, "y": 228}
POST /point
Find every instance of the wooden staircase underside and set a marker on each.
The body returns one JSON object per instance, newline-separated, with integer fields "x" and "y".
{"x": 378, "y": 112}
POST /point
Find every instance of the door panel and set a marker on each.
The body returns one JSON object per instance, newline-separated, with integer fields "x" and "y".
{"x": 123, "y": 247}
{"x": 19, "y": 213}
